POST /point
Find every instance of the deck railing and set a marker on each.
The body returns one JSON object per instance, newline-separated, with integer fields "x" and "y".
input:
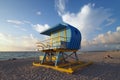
{"x": 52, "y": 43}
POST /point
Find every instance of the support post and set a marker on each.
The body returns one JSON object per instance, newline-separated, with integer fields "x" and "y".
{"x": 44, "y": 58}
{"x": 50, "y": 57}
{"x": 63, "y": 58}
{"x": 76, "y": 56}
{"x": 57, "y": 58}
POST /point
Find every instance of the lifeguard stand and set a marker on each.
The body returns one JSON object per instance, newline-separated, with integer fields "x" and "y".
{"x": 60, "y": 50}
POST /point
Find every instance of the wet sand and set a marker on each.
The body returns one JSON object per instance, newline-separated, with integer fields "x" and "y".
{"x": 104, "y": 68}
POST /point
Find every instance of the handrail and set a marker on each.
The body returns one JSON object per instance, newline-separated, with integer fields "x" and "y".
{"x": 54, "y": 38}
{"x": 49, "y": 43}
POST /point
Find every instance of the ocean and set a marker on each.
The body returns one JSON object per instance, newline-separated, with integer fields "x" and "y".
{"x": 18, "y": 55}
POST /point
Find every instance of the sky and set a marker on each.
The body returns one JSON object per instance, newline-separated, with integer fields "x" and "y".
{"x": 21, "y": 22}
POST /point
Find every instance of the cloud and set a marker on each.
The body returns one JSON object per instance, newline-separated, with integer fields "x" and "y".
{"x": 17, "y": 22}
{"x": 88, "y": 20}
{"x": 109, "y": 40}
{"x": 118, "y": 29}
{"x": 20, "y": 28}
{"x": 38, "y": 13}
{"x": 109, "y": 37}
{"x": 13, "y": 43}
{"x": 60, "y": 5}
{"x": 110, "y": 21}
{"x": 20, "y": 24}
{"x": 28, "y": 22}
{"x": 40, "y": 28}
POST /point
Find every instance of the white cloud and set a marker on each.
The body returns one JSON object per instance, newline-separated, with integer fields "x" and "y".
{"x": 38, "y": 13}
{"x": 40, "y": 28}
{"x": 12, "y": 43}
{"x": 60, "y": 4}
{"x": 110, "y": 21}
{"x": 31, "y": 36}
{"x": 19, "y": 24}
{"x": 28, "y": 22}
{"x": 87, "y": 20}
{"x": 15, "y": 22}
{"x": 109, "y": 32}
{"x": 20, "y": 28}
{"x": 118, "y": 29}
{"x": 109, "y": 40}
{"x": 84, "y": 42}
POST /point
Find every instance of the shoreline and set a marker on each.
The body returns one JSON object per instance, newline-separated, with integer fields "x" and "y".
{"x": 36, "y": 52}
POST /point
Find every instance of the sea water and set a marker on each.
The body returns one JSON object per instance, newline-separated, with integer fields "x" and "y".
{"x": 18, "y": 55}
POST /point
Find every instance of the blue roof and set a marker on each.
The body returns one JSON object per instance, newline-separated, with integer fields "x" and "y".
{"x": 54, "y": 29}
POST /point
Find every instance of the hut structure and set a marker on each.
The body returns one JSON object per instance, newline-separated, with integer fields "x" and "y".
{"x": 60, "y": 50}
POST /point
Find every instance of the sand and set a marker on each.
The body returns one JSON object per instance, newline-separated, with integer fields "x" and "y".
{"x": 104, "y": 68}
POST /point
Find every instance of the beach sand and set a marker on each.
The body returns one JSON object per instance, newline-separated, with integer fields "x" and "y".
{"x": 104, "y": 68}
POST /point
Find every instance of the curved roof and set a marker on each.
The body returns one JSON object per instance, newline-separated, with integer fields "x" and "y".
{"x": 54, "y": 29}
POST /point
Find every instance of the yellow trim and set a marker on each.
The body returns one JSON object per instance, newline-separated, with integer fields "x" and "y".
{"x": 59, "y": 36}
{"x": 67, "y": 70}
{"x": 53, "y": 67}
{"x": 51, "y": 39}
{"x": 58, "y": 39}
{"x": 65, "y": 34}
